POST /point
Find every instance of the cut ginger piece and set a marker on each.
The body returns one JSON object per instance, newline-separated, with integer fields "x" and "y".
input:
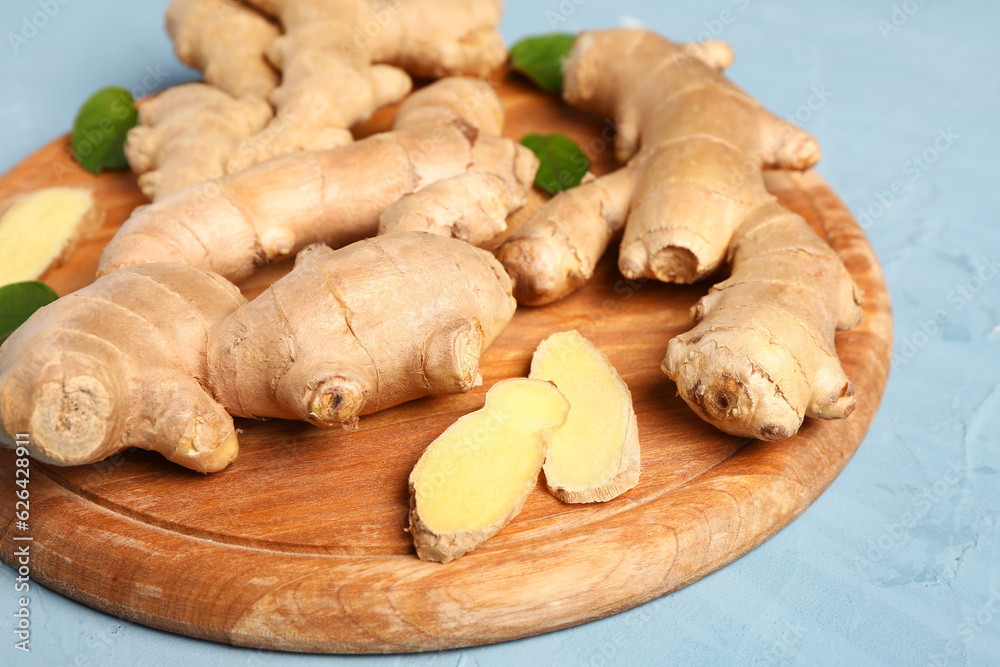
{"x": 474, "y": 478}
{"x": 594, "y": 456}
{"x": 39, "y": 230}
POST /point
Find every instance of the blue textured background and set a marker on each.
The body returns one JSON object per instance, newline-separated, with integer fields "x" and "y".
{"x": 897, "y": 563}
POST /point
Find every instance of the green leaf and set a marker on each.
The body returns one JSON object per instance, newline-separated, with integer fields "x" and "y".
{"x": 562, "y": 163}
{"x": 101, "y": 125}
{"x": 18, "y": 301}
{"x": 541, "y": 59}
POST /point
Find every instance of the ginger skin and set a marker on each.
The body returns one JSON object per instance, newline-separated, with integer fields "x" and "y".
{"x": 187, "y": 134}
{"x": 117, "y": 364}
{"x": 335, "y": 71}
{"x": 341, "y": 60}
{"x": 355, "y": 330}
{"x": 692, "y": 193}
{"x": 226, "y": 40}
{"x": 762, "y": 357}
{"x": 159, "y": 356}
{"x": 472, "y": 206}
{"x": 474, "y": 478}
{"x": 272, "y": 210}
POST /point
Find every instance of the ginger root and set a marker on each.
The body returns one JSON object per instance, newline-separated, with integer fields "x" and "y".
{"x": 474, "y": 478}
{"x": 190, "y": 132}
{"x": 232, "y": 224}
{"x": 187, "y": 134}
{"x": 472, "y": 206}
{"x": 594, "y": 456}
{"x": 339, "y": 61}
{"x": 762, "y": 357}
{"x": 39, "y": 230}
{"x": 695, "y": 145}
{"x": 691, "y": 194}
{"x": 351, "y": 331}
{"x": 117, "y": 364}
{"x": 226, "y": 40}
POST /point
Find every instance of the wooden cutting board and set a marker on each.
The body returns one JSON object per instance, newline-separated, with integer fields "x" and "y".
{"x": 300, "y": 544}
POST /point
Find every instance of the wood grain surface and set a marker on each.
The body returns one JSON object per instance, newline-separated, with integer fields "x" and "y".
{"x": 300, "y": 544}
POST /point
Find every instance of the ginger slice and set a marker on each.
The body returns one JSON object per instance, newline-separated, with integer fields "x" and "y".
{"x": 594, "y": 456}
{"x": 474, "y": 478}
{"x": 42, "y": 228}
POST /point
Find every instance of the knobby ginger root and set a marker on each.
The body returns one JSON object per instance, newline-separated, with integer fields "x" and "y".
{"x": 40, "y": 229}
{"x": 474, "y": 478}
{"x": 328, "y": 82}
{"x": 472, "y": 206}
{"x": 695, "y": 144}
{"x": 439, "y": 38}
{"x": 190, "y": 132}
{"x": 117, "y": 364}
{"x": 340, "y": 60}
{"x": 557, "y": 249}
{"x": 272, "y": 210}
{"x": 594, "y": 456}
{"x": 227, "y": 41}
{"x": 351, "y": 331}
{"x": 762, "y": 356}
{"x": 691, "y": 194}
{"x": 187, "y": 134}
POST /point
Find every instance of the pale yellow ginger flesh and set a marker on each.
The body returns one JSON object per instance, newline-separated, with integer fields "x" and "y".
{"x": 594, "y": 456}
{"x": 39, "y": 230}
{"x": 351, "y": 331}
{"x": 474, "y": 478}
{"x": 232, "y": 224}
{"x": 117, "y": 364}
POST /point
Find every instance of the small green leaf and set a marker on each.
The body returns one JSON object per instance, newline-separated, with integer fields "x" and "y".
{"x": 101, "y": 125}
{"x": 18, "y": 301}
{"x": 562, "y": 163}
{"x": 541, "y": 59}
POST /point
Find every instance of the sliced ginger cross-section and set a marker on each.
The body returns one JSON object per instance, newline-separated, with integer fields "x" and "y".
{"x": 474, "y": 478}
{"x": 40, "y": 229}
{"x": 594, "y": 456}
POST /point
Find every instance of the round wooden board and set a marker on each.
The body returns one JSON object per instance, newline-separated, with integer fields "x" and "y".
{"x": 300, "y": 544}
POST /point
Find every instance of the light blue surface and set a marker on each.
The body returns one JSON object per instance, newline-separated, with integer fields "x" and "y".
{"x": 899, "y": 561}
